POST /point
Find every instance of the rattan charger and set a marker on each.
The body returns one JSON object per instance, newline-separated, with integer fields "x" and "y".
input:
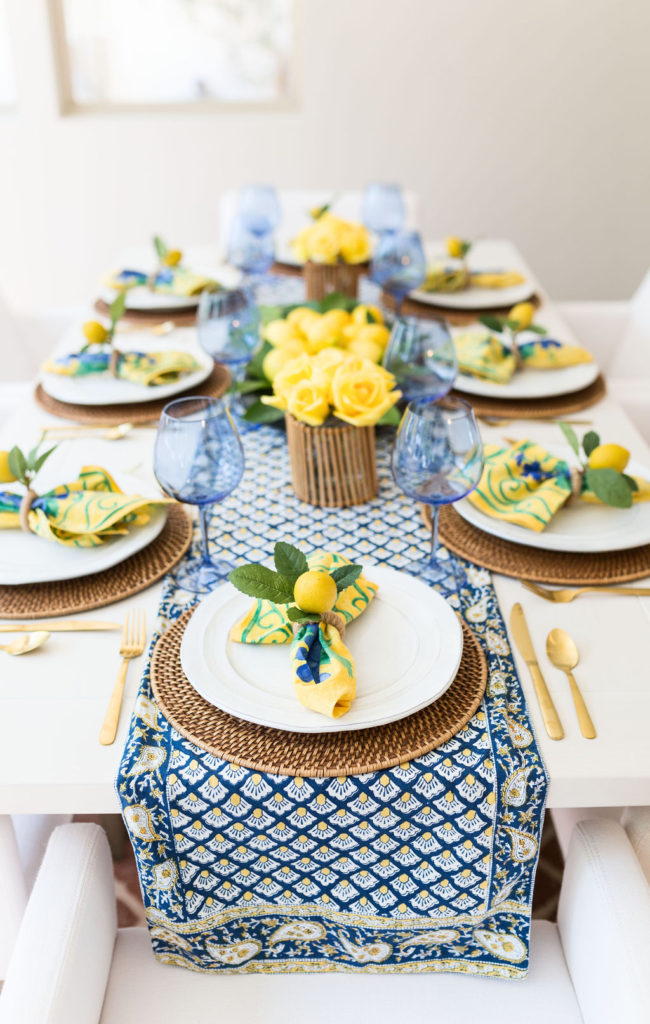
{"x": 181, "y": 316}
{"x": 540, "y": 566}
{"x": 136, "y": 573}
{"x": 314, "y": 755}
{"x": 455, "y": 317}
{"x": 140, "y": 413}
{"x": 536, "y": 408}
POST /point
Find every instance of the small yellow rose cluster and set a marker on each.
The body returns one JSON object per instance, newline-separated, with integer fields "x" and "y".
{"x": 304, "y": 331}
{"x": 332, "y": 240}
{"x": 356, "y": 390}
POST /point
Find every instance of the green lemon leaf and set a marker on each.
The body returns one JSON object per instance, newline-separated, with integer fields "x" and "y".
{"x": 537, "y": 329}
{"x": 17, "y": 463}
{"x": 254, "y": 367}
{"x": 371, "y": 318}
{"x": 160, "y": 247}
{"x": 258, "y": 412}
{"x": 465, "y": 248}
{"x": 590, "y": 441}
{"x": 248, "y": 387}
{"x": 289, "y": 561}
{"x": 258, "y": 581}
{"x": 570, "y": 435}
{"x": 391, "y": 417}
{"x": 41, "y": 459}
{"x": 512, "y": 324}
{"x": 345, "y": 576}
{"x": 631, "y": 482}
{"x": 297, "y": 615}
{"x": 336, "y": 300}
{"x": 493, "y": 323}
{"x": 117, "y": 307}
{"x": 610, "y": 487}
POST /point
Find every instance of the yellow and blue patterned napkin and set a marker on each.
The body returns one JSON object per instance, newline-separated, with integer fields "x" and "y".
{"x": 525, "y": 485}
{"x": 151, "y": 369}
{"x": 442, "y": 278}
{"x": 324, "y": 676}
{"x": 168, "y": 281}
{"x": 482, "y": 354}
{"x": 80, "y": 514}
{"x": 268, "y": 623}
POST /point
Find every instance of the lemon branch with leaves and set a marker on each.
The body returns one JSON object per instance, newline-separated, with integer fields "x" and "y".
{"x": 601, "y": 468}
{"x": 97, "y": 334}
{"x": 167, "y": 258}
{"x": 520, "y": 318}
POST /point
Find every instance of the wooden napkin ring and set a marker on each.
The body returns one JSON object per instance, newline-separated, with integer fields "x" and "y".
{"x": 113, "y": 362}
{"x": 577, "y": 476}
{"x": 331, "y": 618}
{"x": 27, "y": 500}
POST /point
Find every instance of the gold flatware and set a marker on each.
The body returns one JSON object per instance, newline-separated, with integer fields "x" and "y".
{"x": 567, "y": 594}
{"x": 24, "y": 644}
{"x": 563, "y": 653}
{"x": 59, "y": 626}
{"x": 495, "y": 421}
{"x": 524, "y": 643}
{"x": 134, "y": 637}
{"x": 104, "y": 432}
{"x": 166, "y": 327}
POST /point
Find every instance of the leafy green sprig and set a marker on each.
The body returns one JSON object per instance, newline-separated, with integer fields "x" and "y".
{"x": 609, "y": 485}
{"x": 24, "y": 467}
{"x": 259, "y": 581}
{"x": 500, "y": 324}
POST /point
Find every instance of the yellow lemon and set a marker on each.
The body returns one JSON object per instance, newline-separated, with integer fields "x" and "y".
{"x": 376, "y": 333}
{"x": 336, "y": 318}
{"x": 523, "y": 313}
{"x": 321, "y": 333}
{"x": 95, "y": 332}
{"x": 301, "y": 315}
{"x": 454, "y": 247}
{"x": 6, "y": 476}
{"x": 609, "y": 456}
{"x": 315, "y": 592}
{"x": 360, "y": 315}
{"x": 279, "y": 332}
{"x": 367, "y": 349}
{"x": 278, "y": 357}
{"x": 172, "y": 258}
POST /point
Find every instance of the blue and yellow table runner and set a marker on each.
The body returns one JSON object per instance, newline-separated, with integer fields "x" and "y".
{"x": 427, "y": 866}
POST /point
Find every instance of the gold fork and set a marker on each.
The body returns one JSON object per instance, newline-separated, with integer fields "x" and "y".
{"x": 134, "y": 637}
{"x": 564, "y": 596}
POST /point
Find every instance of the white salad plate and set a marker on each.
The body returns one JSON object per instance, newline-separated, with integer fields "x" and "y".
{"x": 406, "y": 645}
{"x": 143, "y": 300}
{"x": 476, "y": 298}
{"x": 531, "y": 383}
{"x": 26, "y": 558}
{"x": 104, "y": 389}
{"x": 577, "y": 527}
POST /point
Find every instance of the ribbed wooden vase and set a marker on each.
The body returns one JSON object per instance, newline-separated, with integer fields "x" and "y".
{"x": 321, "y": 279}
{"x": 332, "y": 467}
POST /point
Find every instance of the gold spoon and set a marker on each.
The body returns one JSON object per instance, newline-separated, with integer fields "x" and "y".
{"x": 103, "y": 433}
{"x": 27, "y": 643}
{"x": 166, "y": 327}
{"x": 563, "y": 653}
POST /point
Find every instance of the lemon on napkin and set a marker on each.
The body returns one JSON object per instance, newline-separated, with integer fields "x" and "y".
{"x": 80, "y": 514}
{"x": 151, "y": 369}
{"x": 482, "y": 354}
{"x": 441, "y": 278}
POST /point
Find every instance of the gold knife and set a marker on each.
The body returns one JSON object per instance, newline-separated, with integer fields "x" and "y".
{"x": 58, "y": 626}
{"x": 524, "y": 643}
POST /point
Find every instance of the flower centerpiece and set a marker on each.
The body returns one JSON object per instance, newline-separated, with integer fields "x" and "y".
{"x": 332, "y": 401}
{"x": 334, "y": 252}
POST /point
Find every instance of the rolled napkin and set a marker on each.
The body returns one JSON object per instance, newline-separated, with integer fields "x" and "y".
{"x": 525, "y": 485}
{"x": 268, "y": 623}
{"x": 151, "y": 369}
{"x": 482, "y": 354}
{"x": 81, "y": 514}
{"x": 168, "y": 281}
{"x": 324, "y": 677}
{"x": 454, "y": 279}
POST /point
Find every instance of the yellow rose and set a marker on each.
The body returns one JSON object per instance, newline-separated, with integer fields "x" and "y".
{"x": 95, "y": 333}
{"x": 172, "y": 258}
{"x": 366, "y": 349}
{"x": 6, "y": 476}
{"x": 300, "y": 246}
{"x": 523, "y": 313}
{"x": 355, "y": 244}
{"x": 324, "y": 239}
{"x": 328, "y": 359}
{"x": 361, "y": 392}
{"x": 376, "y": 333}
{"x": 361, "y": 313}
{"x": 292, "y": 373}
{"x": 279, "y": 332}
{"x": 278, "y": 357}
{"x": 309, "y": 401}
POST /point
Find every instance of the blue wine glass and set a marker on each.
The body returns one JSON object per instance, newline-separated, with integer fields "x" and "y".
{"x": 383, "y": 207}
{"x": 399, "y": 264}
{"x": 259, "y": 208}
{"x": 437, "y": 459}
{"x": 199, "y": 460}
{"x": 228, "y": 326}
{"x": 250, "y": 250}
{"x": 422, "y": 357}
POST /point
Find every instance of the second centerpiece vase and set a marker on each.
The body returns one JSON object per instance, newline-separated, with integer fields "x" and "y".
{"x": 332, "y": 466}
{"x": 322, "y": 279}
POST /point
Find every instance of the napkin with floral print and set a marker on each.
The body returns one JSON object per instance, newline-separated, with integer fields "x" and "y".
{"x": 482, "y": 354}
{"x": 151, "y": 369}
{"x": 168, "y": 281}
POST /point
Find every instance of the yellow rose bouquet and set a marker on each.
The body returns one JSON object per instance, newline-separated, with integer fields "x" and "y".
{"x": 333, "y": 252}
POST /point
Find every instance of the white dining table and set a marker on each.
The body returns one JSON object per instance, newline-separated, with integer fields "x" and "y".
{"x": 52, "y": 702}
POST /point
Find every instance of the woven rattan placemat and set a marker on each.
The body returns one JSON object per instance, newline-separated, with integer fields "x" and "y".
{"x": 182, "y": 316}
{"x": 455, "y": 317}
{"x": 44, "y": 600}
{"x": 131, "y": 412}
{"x": 313, "y": 754}
{"x": 524, "y": 562}
{"x": 536, "y": 408}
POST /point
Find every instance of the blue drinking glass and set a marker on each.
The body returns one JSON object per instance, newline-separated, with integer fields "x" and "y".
{"x": 422, "y": 357}
{"x": 199, "y": 460}
{"x": 228, "y": 327}
{"x": 383, "y": 207}
{"x": 437, "y": 459}
{"x": 399, "y": 264}
{"x": 250, "y": 250}
{"x": 259, "y": 208}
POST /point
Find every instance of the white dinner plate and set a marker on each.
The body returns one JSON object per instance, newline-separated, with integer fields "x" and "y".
{"x": 104, "y": 389}
{"x": 579, "y": 526}
{"x": 142, "y": 299}
{"x": 26, "y": 558}
{"x": 476, "y": 298}
{"x": 406, "y": 645}
{"x": 531, "y": 383}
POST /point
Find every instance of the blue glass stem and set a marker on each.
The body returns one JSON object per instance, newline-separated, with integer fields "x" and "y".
{"x": 435, "y": 513}
{"x": 203, "y": 518}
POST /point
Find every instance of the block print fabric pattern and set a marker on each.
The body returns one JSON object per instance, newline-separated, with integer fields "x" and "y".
{"x": 427, "y": 866}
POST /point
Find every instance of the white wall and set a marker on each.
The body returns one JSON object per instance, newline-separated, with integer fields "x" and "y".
{"x": 520, "y": 118}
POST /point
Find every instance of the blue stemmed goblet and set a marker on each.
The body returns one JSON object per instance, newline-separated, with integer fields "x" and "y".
{"x": 259, "y": 208}
{"x": 422, "y": 357}
{"x": 228, "y": 326}
{"x": 437, "y": 459}
{"x": 251, "y": 247}
{"x": 399, "y": 264}
{"x": 199, "y": 460}
{"x": 383, "y": 207}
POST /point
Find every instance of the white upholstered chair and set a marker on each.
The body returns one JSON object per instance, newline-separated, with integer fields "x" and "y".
{"x": 71, "y": 964}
